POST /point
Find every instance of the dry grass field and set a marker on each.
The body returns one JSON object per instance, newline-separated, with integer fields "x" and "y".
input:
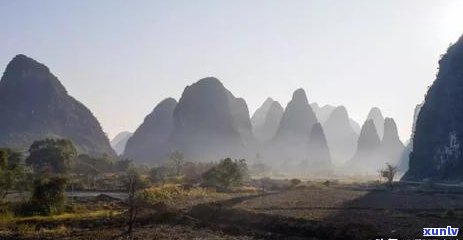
{"x": 307, "y": 211}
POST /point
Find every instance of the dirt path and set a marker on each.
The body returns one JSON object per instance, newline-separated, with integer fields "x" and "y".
{"x": 222, "y": 216}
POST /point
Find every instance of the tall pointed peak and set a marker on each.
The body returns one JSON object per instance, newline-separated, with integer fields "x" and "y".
{"x": 390, "y": 127}
{"x": 208, "y": 81}
{"x": 25, "y": 76}
{"x": 375, "y": 112}
{"x": 268, "y": 101}
{"x": 165, "y": 103}
{"x": 368, "y": 139}
{"x": 21, "y": 63}
{"x": 378, "y": 119}
{"x": 369, "y": 128}
{"x": 38, "y": 106}
{"x": 276, "y": 105}
{"x": 391, "y": 135}
{"x": 299, "y": 96}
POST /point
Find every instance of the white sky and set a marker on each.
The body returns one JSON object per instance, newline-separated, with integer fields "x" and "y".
{"x": 120, "y": 58}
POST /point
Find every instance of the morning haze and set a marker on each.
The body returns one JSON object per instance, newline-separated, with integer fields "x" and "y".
{"x": 250, "y": 120}
{"x": 128, "y": 56}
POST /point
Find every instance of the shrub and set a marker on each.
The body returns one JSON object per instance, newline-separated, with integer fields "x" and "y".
{"x": 47, "y": 198}
{"x": 226, "y": 174}
{"x": 388, "y": 174}
{"x": 167, "y": 192}
{"x": 55, "y": 155}
{"x": 295, "y": 182}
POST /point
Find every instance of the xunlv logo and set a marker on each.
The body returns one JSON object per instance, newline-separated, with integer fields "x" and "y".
{"x": 440, "y": 232}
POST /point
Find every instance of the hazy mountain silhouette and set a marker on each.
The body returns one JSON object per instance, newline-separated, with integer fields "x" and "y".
{"x": 366, "y": 158}
{"x": 319, "y": 159}
{"x": 149, "y": 143}
{"x": 291, "y": 139}
{"x": 242, "y": 122}
{"x": 404, "y": 158}
{"x": 119, "y": 141}
{"x": 258, "y": 118}
{"x": 272, "y": 121}
{"x": 355, "y": 126}
{"x": 205, "y": 122}
{"x": 342, "y": 139}
{"x": 437, "y": 152}
{"x": 34, "y": 105}
{"x": 298, "y": 118}
{"x": 391, "y": 146}
{"x": 378, "y": 119}
{"x": 322, "y": 113}
{"x": 265, "y": 130}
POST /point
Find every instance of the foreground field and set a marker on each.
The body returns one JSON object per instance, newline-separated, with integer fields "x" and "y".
{"x": 307, "y": 211}
{"x": 367, "y": 211}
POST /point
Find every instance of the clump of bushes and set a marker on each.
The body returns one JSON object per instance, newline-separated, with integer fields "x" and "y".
{"x": 168, "y": 192}
{"x": 226, "y": 174}
{"x": 48, "y": 197}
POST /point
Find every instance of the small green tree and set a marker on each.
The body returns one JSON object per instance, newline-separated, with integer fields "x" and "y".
{"x": 54, "y": 155}
{"x": 226, "y": 174}
{"x": 48, "y": 196}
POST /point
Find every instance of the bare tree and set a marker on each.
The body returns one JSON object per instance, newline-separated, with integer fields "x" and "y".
{"x": 388, "y": 174}
{"x": 134, "y": 184}
{"x": 178, "y": 161}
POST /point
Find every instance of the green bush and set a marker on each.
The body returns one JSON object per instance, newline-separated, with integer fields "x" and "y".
{"x": 226, "y": 174}
{"x": 47, "y": 198}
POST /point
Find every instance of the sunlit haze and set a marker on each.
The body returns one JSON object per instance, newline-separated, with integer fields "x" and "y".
{"x": 121, "y": 58}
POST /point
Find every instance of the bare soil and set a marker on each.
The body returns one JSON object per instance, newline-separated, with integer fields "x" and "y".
{"x": 312, "y": 211}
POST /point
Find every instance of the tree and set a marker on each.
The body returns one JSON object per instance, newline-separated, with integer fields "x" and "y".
{"x": 48, "y": 196}
{"x": 159, "y": 174}
{"x": 54, "y": 155}
{"x": 226, "y": 174}
{"x": 123, "y": 165}
{"x": 177, "y": 160}
{"x": 134, "y": 184}
{"x": 12, "y": 173}
{"x": 388, "y": 174}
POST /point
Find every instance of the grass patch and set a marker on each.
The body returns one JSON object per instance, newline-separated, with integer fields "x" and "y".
{"x": 5, "y": 219}
{"x": 171, "y": 192}
{"x": 72, "y": 216}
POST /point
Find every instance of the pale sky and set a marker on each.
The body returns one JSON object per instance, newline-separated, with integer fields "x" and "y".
{"x": 120, "y": 58}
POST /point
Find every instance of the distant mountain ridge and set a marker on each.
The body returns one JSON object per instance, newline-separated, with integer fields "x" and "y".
{"x": 266, "y": 120}
{"x": 209, "y": 122}
{"x": 119, "y": 141}
{"x": 34, "y": 105}
{"x": 150, "y": 141}
{"x": 341, "y": 136}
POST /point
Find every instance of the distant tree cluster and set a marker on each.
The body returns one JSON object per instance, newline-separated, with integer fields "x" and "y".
{"x": 53, "y": 155}
{"x": 48, "y": 196}
{"x": 12, "y": 172}
{"x": 227, "y": 173}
